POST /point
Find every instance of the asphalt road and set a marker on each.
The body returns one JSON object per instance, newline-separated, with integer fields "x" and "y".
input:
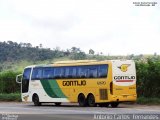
{"x": 27, "y": 111}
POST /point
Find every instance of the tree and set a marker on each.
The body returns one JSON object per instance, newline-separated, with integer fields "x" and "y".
{"x": 78, "y": 56}
{"x": 40, "y": 46}
{"x": 75, "y": 50}
{"x": 91, "y": 52}
{"x": 28, "y": 45}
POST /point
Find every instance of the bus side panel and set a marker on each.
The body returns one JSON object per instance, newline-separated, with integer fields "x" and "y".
{"x": 46, "y": 91}
{"x": 87, "y": 86}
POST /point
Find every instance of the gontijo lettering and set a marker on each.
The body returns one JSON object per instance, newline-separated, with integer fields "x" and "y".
{"x": 74, "y": 83}
{"x": 124, "y": 78}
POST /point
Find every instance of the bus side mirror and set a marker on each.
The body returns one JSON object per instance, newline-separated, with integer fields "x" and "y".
{"x": 19, "y": 78}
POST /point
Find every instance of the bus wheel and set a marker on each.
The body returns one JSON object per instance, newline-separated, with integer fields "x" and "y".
{"x": 36, "y": 100}
{"x": 91, "y": 100}
{"x": 103, "y": 104}
{"x": 57, "y": 103}
{"x": 114, "y": 104}
{"x": 81, "y": 100}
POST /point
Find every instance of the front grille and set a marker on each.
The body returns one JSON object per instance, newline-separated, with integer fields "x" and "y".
{"x": 103, "y": 94}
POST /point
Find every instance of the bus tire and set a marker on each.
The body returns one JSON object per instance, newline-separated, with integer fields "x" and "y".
{"x": 114, "y": 104}
{"x": 81, "y": 100}
{"x": 35, "y": 100}
{"x": 57, "y": 103}
{"x": 91, "y": 100}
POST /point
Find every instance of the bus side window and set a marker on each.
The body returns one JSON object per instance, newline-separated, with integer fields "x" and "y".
{"x": 67, "y": 72}
{"x": 82, "y": 72}
{"x": 74, "y": 72}
{"x": 37, "y": 73}
{"x": 103, "y": 71}
{"x": 92, "y": 72}
{"x": 59, "y": 72}
{"x": 48, "y": 73}
{"x": 70, "y": 72}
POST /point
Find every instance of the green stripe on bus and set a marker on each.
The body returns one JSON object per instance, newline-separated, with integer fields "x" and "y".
{"x": 48, "y": 89}
{"x": 52, "y": 89}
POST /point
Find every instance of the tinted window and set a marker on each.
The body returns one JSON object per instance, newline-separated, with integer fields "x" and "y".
{"x": 37, "y": 73}
{"x": 48, "y": 73}
{"x": 82, "y": 72}
{"x": 26, "y": 74}
{"x": 25, "y": 80}
{"x": 58, "y": 72}
{"x": 92, "y": 71}
{"x": 87, "y": 71}
{"x": 70, "y": 72}
{"x": 102, "y": 71}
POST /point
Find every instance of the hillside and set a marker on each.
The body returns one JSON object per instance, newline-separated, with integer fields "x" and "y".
{"x": 15, "y": 56}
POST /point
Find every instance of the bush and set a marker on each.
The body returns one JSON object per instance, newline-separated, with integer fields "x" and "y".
{"x": 10, "y": 97}
{"x": 143, "y": 100}
{"x": 8, "y": 82}
{"x": 148, "y": 78}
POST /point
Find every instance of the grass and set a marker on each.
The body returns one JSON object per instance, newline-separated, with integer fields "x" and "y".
{"x": 148, "y": 101}
{"x": 10, "y": 97}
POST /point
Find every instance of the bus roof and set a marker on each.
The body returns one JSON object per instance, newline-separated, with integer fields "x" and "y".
{"x": 87, "y": 61}
{"x": 42, "y": 65}
{"x": 75, "y": 61}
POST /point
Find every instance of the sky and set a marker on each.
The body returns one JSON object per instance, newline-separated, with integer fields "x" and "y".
{"x": 114, "y": 27}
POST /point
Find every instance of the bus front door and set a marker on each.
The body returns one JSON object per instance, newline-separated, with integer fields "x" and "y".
{"x": 25, "y": 84}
